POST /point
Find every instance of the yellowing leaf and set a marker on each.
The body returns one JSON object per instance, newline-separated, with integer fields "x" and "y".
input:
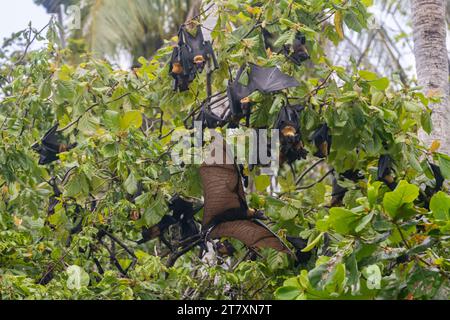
{"x": 131, "y": 119}
{"x": 338, "y": 24}
{"x": 17, "y": 221}
{"x": 435, "y": 145}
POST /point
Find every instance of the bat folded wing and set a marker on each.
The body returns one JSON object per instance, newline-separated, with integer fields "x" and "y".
{"x": 268, "y": 80}
{"x": 220, "y": 183}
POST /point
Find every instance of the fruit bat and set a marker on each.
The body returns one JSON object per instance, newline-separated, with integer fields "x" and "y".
{"x": 51, "y": 6}
{"x": 226, "y": 213}
{"x": 425, "y": 196}
{"x": 53, "y": 200}
{"x": 438, "y": 177}
{"x": 184, "y": 212}
{"x": 338, "y": 192}
{"x": 210, "y": 120}
{"x": 296, "y": 53}
{"x": 288, "y": 123}
{"x": 50, "y": 147}
{"x": 299, "y": 244}
{"x": 270, "y": 79}
{"x": 225, "y": 248}
{"x": 157, "y": 231}
{"x": 190, "y": 57}
{"x": 385, "y": 173}
{"x": 263, "y": 79}
{"x": 238, "y": 97}
{"x": 322, "y": 140}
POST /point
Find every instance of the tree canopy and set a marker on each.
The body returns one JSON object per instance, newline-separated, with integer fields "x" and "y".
{"x": 382, "y": 241}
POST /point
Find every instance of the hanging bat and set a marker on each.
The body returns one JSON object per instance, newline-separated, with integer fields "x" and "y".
{"x": 226, "y": 213}
{"x": 288, "y": 123}
{"x": 322, "y": 140}
{"x": 296, "y": 53}
{"x": 426, "y": 195}
{"x": 385, "y": 172}
{"x": 157, "y": 231}
{"x": 338, "y": 192}
{"x": 238, "y": 97}
{"x": 184, "y": 212}
{"x": 190, "y": 57}
{"x": 51, "y": 6}
{"x": 50, "y": 146}
{"x": 263, "y": 79}
{"x": 299, "y": 244}
{"x": 53, "y": 200}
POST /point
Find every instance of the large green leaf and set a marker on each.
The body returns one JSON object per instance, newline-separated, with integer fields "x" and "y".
{"x": 405, "y": 193}
{"x": 343, "y": 220}
{"x": 440, "y": 206}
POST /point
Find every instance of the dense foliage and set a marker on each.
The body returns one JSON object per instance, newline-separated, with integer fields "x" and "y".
{"x": 381, "y": 243}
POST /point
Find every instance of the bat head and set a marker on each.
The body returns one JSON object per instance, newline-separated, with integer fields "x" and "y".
{"x": 299, "y": 51}
{"x": 225, "y": 248}
{"x": 288, "y": 123}
{"x": 385, "y": 171}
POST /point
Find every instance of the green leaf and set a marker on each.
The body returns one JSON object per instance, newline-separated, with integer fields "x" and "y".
{"x": 131, "y": 119}
{"x": 364, "y": 222}
{"x": 377, "y": 98}
{"x": 367, "y": 75}
{"x": 112, "y": 120}
{"x": 373, "y": 276}
{"x": 78, "y": 186}
{"x": 426, "y": 122}
{"x": 313, "y": 243}
{"x": 412, "y": 106}
{"x": 440, "y": 206}
{"x": 380, "y": 84}
{"x": 288, "y": 212}
{"x": 45, "y": 90}
{"x": 342, "y": 220}
{"x": 131, "y": 184}
{"x": 372, "y": 192}
{"x": 78, "y": 278}
{"x": 262, "y": 182}
{"x": 287, "y": 293}
{"x": 404, "y": 193}
{"x": 444, "y": 163}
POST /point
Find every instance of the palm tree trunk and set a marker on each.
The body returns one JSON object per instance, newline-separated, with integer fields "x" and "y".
{"x": 430, "y": 31}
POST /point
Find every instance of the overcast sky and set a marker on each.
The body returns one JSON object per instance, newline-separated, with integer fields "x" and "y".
{"x": 15, "y": 16}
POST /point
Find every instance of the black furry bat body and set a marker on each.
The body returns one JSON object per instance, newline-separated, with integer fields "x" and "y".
{"x": 51, "y": 146}
{"x": 288, "y": 123}
{"x": 183, "y": 213}
{"x": 385, "y": 171}
{"x": 426, "y": 195}
{"x": 263, "y": 79}
{"x": 296, "y": 52}
{"x": 190, "y": 57}
{"x": 322, "y": 140}
{"x": 299, "y": 244}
